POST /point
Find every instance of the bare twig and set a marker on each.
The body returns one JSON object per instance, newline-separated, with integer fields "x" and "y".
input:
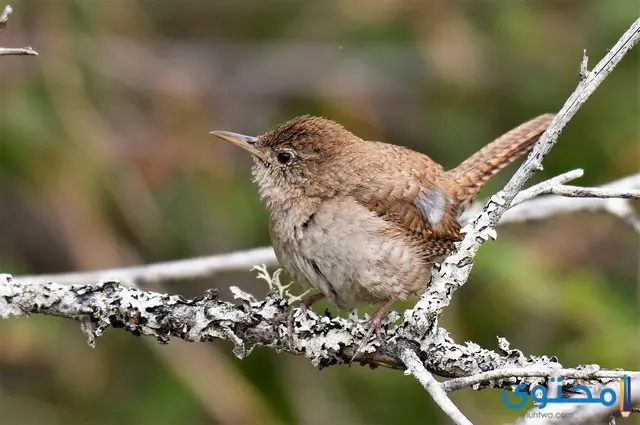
{"x": 192, "y": 268}
{"x": 546, "y": 186}
{"x": 17, "y": 51}
{"x": 593, "y": 192}
{"x": 584, "y": 65}
{"x": 552, "y": 205}
{"x": 556, "y": 186}
{"x": 433, "y": 387}
{"x": 588, "y": 372}
{"x": 5, "y": 51}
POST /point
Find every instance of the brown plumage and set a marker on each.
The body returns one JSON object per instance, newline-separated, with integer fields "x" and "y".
{"x": 476, "y": 170}
{"x": 361, "y": 221}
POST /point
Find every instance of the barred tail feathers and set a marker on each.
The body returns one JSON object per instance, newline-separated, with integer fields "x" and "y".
{"x": 476, "y": 170}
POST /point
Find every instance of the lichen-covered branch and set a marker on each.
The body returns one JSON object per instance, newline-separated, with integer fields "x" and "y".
{"x": 98, "y": 306}
{"x": 324, "y": 340}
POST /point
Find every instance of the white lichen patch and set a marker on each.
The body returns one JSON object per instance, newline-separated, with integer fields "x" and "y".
{"x": 277, "y": 287}
{"x": 322, "y": 347}
{"x": 239, "y": 294}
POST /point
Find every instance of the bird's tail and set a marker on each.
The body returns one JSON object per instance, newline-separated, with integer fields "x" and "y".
{"x": 475, "y": 171}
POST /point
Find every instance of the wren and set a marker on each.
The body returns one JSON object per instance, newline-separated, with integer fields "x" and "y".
{"x": 363, "y": 221}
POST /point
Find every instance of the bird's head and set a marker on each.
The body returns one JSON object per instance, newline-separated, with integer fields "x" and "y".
{"x": 301, "y": 157}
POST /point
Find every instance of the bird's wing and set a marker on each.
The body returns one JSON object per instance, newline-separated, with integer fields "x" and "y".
{"x": 416, "y": 208}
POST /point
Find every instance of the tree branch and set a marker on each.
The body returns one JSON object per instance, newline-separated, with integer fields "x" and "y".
{"x": 192, "y": 268}
{"x": 324, "y": 340}
{"x": 552, "y": 205}
{"x": 556, "y": 186}
{"x": 18, "y": 51}
{"x": 586, "y": 372}
{"x": 433, "y": 387}
{"x": 5, "y": 51}
{"x": 546, "y": 186}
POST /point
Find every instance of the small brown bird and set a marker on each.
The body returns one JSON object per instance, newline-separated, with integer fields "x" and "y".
{"x": 361, "y": 221}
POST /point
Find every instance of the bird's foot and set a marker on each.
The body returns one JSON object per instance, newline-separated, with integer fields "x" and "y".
{"x": 305, "y": 303}
{"x": 373, "y": 325}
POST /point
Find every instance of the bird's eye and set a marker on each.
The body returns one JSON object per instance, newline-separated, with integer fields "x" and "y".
{"x": 284, "y": 157}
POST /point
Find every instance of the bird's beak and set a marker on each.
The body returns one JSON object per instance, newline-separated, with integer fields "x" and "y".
{"x": 245, "y": 142}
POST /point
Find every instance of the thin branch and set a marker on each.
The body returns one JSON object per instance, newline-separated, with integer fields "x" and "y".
{"x": 584, "y": 65}
{"x": 588, "y": 372}
{"x": 546, "y": 186}
{"x": 192, "y": 268}
{"x": 594, "y": 192}
{"x": 556, "y": 186}
{"x": 455, "y": 269}
{"x": 18, "y": 51}
{"x": 545, "y": 207}
{"x": 433, "y": 387}
{"x": 5, "y": 51}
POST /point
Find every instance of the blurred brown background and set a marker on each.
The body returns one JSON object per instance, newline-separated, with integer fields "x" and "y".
{"x": 105, "y": 161}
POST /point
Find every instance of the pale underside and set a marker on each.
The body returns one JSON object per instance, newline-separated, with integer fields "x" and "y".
{"x": 354, "y": 258}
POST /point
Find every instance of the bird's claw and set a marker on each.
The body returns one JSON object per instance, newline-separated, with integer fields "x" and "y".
{"x": 373, "y": 326}
{"x": 305, "y": 303}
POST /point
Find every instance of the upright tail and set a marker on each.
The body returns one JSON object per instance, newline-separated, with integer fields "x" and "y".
{"x": 474, "y": 172}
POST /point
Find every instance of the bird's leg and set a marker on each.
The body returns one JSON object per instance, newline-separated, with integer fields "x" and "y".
{"x": 304, "y": 305}
{"x": 373, "y": 325}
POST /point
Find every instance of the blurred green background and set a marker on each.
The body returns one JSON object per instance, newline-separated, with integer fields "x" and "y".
{"x": 105, "y": 161}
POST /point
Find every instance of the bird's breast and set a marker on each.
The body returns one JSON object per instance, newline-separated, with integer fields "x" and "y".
{"x": 349, "y": 253}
